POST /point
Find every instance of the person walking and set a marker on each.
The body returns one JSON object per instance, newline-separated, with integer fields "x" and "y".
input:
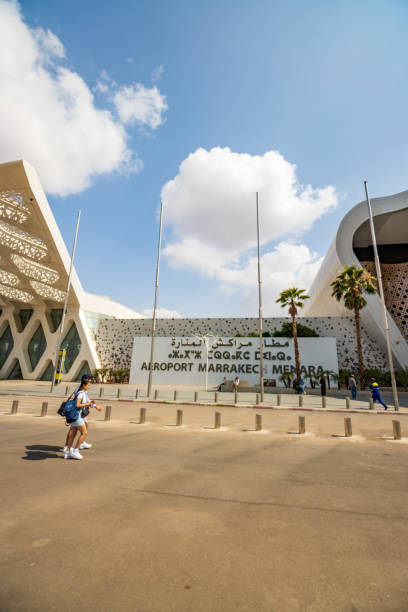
{"x": 236, "y": 384}
{"x": 352, "y": 385}
{"x": 79, "y": 426}
{"x": 376, "y": 393}
{"x": 85, "y": 445}
{"x": 323, "y": 388}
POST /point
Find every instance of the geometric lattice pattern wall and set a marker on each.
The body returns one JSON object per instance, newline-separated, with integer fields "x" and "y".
{"x": 114, "y": 340}
{"x": 395, "y": 284}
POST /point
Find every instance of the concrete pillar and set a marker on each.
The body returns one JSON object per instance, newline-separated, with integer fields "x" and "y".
{"x": 348, "y": 403}
{"x": 142, "y": 418}
{"x": 371, "y": 403}
{"x": 14, "y": 407}
{"x": 101, "y": 392}
{"x": 257, "y": 398}
{"x": 258, "y": 422}
{"x": 324, "y": 401}
{"x": 235, "y": 396}
{"x": 175, "y": 396}
{"x": 278, "y": 399}
{"x": 44, "y": 409}
{"x": 216, "y": 397}
{"x": 67, "y": 390}
{"x": 196, "y": 396}
{"x": 108, "y": 410}
{"x": 348, "y": 432}
{"x": 217, "y": 420}
{"x": 119, "y": 392}
{"x": 156, "y": 394}
{"x": 302, "y": 425}
{"x": 396, "y": 426}
{"x": 179, "y": 418}
{"x": 300, "y": 398}
{"x": 137, "y": 393}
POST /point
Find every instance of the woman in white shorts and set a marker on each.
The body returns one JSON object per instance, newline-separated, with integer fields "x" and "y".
{"x": 79, "y": 425}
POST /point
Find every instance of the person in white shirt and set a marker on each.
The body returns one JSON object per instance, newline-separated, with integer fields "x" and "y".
{"x": 71, "y": 450}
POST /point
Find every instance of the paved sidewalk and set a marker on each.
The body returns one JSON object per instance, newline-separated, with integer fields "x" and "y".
{"x": 163, "y": 519}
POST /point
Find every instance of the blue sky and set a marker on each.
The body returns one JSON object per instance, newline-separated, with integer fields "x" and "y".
{"x": 322, "y": 83}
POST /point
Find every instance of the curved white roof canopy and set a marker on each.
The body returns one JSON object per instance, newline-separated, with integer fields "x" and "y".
{"x": 391, "y": 224}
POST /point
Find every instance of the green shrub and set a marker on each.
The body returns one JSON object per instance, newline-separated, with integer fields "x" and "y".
{"x": 303, "y": 331}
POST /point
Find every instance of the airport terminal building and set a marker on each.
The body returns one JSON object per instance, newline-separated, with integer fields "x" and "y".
{"x": 34, "y": 268}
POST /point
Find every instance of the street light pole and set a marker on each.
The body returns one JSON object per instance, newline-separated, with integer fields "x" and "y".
{"x": 384, "y": 309}
{"x": 261, "y": 385}
{"x": 149, "y": 384}
{"x": 64, "y": 311}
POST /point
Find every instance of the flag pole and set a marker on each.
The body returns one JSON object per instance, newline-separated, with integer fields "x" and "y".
{"x": 149, "y": 384}
{"x": 64, "y": 311}
{"x": 261, "y": 385}
{"x": 384, "y": 309}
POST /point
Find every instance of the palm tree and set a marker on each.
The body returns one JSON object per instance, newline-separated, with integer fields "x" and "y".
{"x": 349, "y": 286}
{"x": 293, "y": 299}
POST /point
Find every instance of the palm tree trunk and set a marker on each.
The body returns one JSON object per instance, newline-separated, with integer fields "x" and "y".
{"x": 295, "y": 342}
{"x": 359, "y": 348}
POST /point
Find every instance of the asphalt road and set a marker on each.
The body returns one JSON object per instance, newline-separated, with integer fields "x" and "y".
{"x": 158, "y": 518}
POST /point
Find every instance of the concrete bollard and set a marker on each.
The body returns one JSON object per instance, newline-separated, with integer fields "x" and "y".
{"x": 235, "y": 396}
{"x": 396, "y": 427}
{"x": 175, "y": 396}
{"x": 14, "y": 407}
{"x": 179, "y": 418}
{"x": 302, "y": 425}
{"x": 67, "y": 390}
{"x": 324, "y": 401}
{"x": 300, "y": 401}
{"x": 257, "y": 398}
{"x": 217, "y": 420}
{"x": 278, "y": 399}
{"x": 371, "y": 404}
{"x": 348, "y": 403}
{"x": 108, "y": 410}
{"x": 119, "y": 392}
{"x": 196, "y": 396}
{"x": 136, "y": 393}
{"x": 44, "y": 409}
{"x": 101, "y": 392}
{"x": 348, "y": 432}
{"x": 142, "y": 418}
{"x": 156, "y": 394}
{"x": 216, "y": 397}
{"x": 258, "y": 422}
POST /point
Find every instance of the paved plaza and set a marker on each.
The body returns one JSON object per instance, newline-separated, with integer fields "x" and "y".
{"x": 164, "y": 518}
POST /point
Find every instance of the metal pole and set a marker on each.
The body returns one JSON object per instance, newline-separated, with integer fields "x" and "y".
{"x": 149, "y": 384}
{"x": 261, "y": 386}
{"x": 64, "y": 312}
{"x": 384, "y": 309}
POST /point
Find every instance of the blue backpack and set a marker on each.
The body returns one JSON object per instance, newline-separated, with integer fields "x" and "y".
{"x": 69, "y": 410}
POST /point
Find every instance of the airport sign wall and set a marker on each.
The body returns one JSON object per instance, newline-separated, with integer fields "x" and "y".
{"x": 187, "y": 361}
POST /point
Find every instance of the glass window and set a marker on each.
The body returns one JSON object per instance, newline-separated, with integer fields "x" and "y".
{"x": 36, "y": 346}
{"x": 6, "y": 345}
{"x": 56, "y": 317}
{"x": 72, "y": 344}
{"x": 47, "y": 374}
{"x": 25, "y": 316}
{"x": 16, "y": 373}
{"x": 84, "y": 370}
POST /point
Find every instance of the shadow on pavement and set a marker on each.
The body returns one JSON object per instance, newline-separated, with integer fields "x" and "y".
{"x": 38, "y": 452}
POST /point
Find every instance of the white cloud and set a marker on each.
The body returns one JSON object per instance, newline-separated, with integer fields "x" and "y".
{"x": 162, "y": 313}
{"x": 157, "y": 73}
{"x": 49, "y": 115}
{"x": 136, "y": 103}
{"x": 210, "y": 207}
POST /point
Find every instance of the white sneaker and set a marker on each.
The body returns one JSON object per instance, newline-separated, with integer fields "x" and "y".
{"x": 85, "y": 445}
{"x": 75, "y": 454}
{"x": 65, "y": 449}
{"x": 67, "y": 454}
